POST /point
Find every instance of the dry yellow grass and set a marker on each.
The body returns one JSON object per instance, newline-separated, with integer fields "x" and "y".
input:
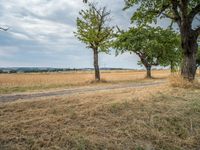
{"x": 176, "y": 80}
{"x": 141, "y": 119}
{"x": 24, "y": 82}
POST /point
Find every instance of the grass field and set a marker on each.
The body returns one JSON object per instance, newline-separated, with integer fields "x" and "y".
{"x": 10, "y": 83}
{"x": 136, "y": 119}
{"x": 142, "y": 118}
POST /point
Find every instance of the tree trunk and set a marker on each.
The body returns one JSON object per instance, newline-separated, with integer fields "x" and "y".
{"x": 172, "y": 67}
{"x": 189, "y": 67}
{"x": 190, "y": 47}
{"x": 96, "y": 65}
{"x": 148, "y": 68}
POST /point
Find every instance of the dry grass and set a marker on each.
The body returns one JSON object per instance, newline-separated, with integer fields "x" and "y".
{"x": 176, "y": 80}
{"x": 27, "y": 82}
{"x": 141, "y": 119}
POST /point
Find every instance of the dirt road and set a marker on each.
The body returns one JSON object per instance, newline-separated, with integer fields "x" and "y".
{"x": 71, "y": 91}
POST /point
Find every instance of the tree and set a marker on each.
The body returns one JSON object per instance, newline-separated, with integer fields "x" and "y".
{"x": 92, "y": 29}
{"x": 154, "y": 46}
{"x": 183, "y": 12}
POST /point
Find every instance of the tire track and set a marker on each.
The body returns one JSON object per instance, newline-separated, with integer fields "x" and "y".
{"x": 81, "y": 90}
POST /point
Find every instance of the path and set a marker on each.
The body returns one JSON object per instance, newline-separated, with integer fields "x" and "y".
{"x": 71, "y": 91}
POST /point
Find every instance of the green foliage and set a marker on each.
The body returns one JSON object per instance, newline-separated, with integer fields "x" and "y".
{"x": 92, "y": 28}
{"x": 149, "y": 10}
{"x": 154, "y": 46}
{"x": 182, "y": 12}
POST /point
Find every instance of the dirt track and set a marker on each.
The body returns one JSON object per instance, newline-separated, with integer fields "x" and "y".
{"x": 71, "y": 91}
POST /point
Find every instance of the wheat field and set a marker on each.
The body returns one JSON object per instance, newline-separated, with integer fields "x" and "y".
{"x": 159, "y": 117}
{"x": 37, "y": 81}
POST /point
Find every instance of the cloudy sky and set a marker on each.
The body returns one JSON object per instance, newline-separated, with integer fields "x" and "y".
{"x": 41, "y": 34}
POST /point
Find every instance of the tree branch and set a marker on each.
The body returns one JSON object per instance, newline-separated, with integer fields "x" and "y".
{"x": 159, "y": 12}
{"x": 194, "y": 11}
{"x": 154, "y": 63}
{"x": 198, "y": 31}
{"x": 4, "y": 29}
{"x": 164, "y": 7}
{"x": 168, "y": 16}
{"x": 139, "y": 54}
{"x": 143, "y": 58}
{"x": 175, "y": 6}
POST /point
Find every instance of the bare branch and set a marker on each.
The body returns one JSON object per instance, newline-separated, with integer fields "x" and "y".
{"x": 4, "y": 29}
{"x": 119, "y": 30}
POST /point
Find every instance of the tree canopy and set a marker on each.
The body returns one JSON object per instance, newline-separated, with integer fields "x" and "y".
{"x": 150, "y": 10}
{"x": 154, "y": 46}
{"x": 183, "y": 12}
{"x": 93, "y": 28}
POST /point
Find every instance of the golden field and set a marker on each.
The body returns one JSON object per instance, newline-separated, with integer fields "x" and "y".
{"x": 10, "y": 83}
{"x": 152, "y": 118}
{"x": 161, "y": 117}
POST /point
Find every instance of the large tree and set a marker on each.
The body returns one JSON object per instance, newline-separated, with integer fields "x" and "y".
{"x": 182, "y": 12}
{"x": 154, "y": 46}
{"x": 94, "y": 31}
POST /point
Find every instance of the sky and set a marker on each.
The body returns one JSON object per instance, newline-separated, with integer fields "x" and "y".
{"x": 41, "y": 34}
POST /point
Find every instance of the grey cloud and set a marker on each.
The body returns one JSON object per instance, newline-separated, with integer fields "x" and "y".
{"x": 41, "y": 34}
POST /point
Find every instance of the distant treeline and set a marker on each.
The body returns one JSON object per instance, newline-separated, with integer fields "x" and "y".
{"x": 32, "y": 70}
{"x": 43, "y": 70}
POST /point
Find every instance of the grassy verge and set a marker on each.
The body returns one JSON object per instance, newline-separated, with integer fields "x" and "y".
{"x": 144, "y": 118}
{"x": 19, "y": 89}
